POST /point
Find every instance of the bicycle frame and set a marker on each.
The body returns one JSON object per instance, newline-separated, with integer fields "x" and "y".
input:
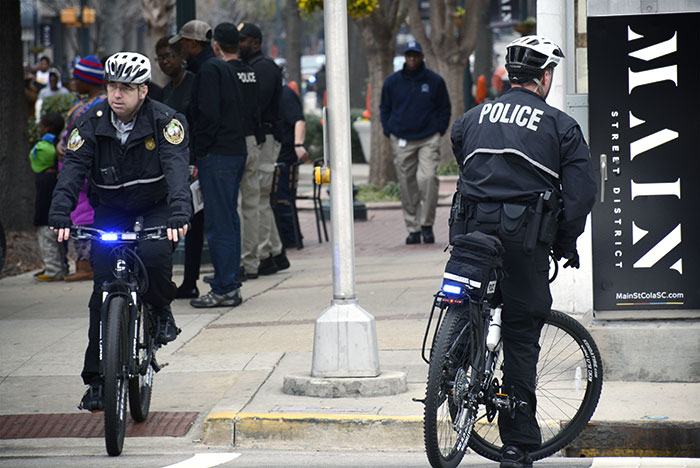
{"x": 125, "y": 284}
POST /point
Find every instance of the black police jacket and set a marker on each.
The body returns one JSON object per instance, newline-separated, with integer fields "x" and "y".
{"x": 150, "y": 167}
{"x": 250, "y": 89}
{"x": 270, "y": 78}
{"x": 215, "y": 111}
{"x": 518, "y": 146}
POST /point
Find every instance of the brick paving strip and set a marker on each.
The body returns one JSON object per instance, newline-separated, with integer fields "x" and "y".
{"x": 309, "y": 321}
{"x": 41, "y": 426}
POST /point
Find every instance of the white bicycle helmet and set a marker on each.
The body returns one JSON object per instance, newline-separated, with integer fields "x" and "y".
{"x": 128, "y": 67}
{"x": 528, "y": 56}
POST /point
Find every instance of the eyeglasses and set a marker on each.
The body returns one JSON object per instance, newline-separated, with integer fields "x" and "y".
{"x": 165, "y": 58}
{"x": 124, "y": 89}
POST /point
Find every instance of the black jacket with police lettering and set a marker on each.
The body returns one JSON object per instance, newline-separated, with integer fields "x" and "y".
{"x": 269, "y": 77}
{"x": 215, "y": 113}
{"x": 150, "y": 167}
{"x": 250, "y": 89}
{"x": 516, "y": 147}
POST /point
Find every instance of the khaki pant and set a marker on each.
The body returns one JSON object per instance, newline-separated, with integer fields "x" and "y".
{"x": 268, "y": 237}
{"x": 249, "y": 207}
{"x": 52, "y": 252}
{"x": 416, "y": 167}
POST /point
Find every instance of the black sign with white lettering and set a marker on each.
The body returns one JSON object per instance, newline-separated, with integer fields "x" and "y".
{"x": 644, "y": 97}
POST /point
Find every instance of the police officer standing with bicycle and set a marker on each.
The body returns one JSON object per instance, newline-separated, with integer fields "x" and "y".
{"x": 526, "y": 176}
{"x": 134, "y": 152}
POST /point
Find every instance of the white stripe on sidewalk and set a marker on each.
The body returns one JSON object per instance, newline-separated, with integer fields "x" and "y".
{"x": 205, "y": 460}
{"x": 646, "y": 462}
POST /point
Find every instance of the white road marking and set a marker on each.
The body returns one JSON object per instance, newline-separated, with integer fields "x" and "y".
{"x": 634, "y": 462}
{"x": 205, "y": 460}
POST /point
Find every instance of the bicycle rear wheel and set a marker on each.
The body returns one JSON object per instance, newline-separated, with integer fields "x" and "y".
{"x": 569, "y": 382}
{"x": 141, "y": 386}
{"x": 441, "y": 406}
{"x": 115, "y": 358}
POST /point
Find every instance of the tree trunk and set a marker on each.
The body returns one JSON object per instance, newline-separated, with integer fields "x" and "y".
{"x": 156, "y": 13}
{"x": 483, "y": 55}
{"x": 357, "y": 59}
{"x": 379, "y": 36}
{"x": 16, "y": 177}
{"x": 293, "y": 53}
{"x": 447, "y": 50}
{"x": 113, "y": 34}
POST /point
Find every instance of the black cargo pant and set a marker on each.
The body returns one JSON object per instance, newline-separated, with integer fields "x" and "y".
{"x": 526, "y": 304}
{"x": 156, "y": 256}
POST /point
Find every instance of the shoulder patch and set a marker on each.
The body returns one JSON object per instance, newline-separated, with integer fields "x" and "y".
{"x": 75, "y": 141}
{"x": 174, "y": 132}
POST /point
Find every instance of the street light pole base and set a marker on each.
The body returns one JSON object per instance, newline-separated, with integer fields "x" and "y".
{"x": 345, "y": 342}
{"x": 387, "y": 383}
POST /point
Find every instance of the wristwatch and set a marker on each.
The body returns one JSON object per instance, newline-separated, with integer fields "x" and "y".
{"x": 299, "y": 145}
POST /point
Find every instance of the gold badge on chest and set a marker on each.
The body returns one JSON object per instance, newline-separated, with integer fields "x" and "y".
{"x": 150, "y": 144}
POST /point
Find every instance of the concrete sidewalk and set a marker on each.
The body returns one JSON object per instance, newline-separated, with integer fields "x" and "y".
{"x": 228, "y": 364}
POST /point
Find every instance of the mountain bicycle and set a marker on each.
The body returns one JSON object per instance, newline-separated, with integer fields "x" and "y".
{"x": 464, "y": 393}
{"x": 127, "y": 343}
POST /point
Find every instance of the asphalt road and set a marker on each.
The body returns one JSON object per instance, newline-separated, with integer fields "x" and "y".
{"x": 203, "y": 457}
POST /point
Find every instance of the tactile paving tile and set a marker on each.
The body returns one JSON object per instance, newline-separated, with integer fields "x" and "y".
{"x": 38, "y": 426}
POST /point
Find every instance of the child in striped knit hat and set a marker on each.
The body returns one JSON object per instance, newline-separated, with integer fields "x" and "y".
{"x": 89, "y": 74}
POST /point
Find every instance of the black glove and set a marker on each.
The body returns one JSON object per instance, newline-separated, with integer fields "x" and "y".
{"x": 573, "y": 260}
{"x": 177, "y": 222}
{"x": 60, "y": 222}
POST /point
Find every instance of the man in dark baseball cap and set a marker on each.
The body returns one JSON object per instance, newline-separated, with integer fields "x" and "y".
{"x": 195, "y": 30}
{"x": 250, "y": 30}
{"x": 413, "y": 46}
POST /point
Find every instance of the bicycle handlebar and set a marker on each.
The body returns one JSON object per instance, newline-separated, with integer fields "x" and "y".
{"x": 88, "y": 233}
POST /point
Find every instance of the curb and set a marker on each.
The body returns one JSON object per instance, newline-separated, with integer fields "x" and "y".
{"x": 365, "y": 432}
{"x": 338, "y": 431}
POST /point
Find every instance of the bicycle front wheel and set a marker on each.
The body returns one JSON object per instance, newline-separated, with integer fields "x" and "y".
{"x": 115, "y": 357}
{"x": 569, "y": 382}
{"x": 141, "y": 385}
{"x": 447, "y": 361}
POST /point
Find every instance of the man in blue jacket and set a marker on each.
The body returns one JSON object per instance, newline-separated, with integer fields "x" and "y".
{"x": 415, "y": 112}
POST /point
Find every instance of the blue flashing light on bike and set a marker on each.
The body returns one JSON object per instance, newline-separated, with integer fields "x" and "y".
{"x": 109, "y": 236}
{"x": 453, "y": 289}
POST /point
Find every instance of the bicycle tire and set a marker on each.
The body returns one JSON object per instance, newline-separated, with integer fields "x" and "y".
{"x": 439, "y": 435}
{"x": 115, "y": 357}
{"x": 141, "y": 386}
{"x": 3, "y": 247}
{"x": 566, "y": 397}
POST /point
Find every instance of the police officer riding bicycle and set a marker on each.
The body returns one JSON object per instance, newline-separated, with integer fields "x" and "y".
{"x": 133, "y": 150}
{"x": 526, "y": 176}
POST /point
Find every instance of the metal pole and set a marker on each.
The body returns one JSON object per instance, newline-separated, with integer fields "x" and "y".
{"x": 345, "y": 339}
{"x": 550, "y": 23}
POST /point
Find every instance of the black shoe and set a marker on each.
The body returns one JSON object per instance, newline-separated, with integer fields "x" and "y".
{"x": 93, "y": 400}
{"x": 514, "y": 457}
{"x": 186, "y": 292}
{"x": 268, "y": 266}
{"x": 211, "y": 299}
{"x": 241, "y": 276}
{"x": 427, "y": 233}
{"x": 281, "y": 261}
{"x": 413, "y": 238}
{"x": 166, "y": 330}
{"x": 209, "y": 279}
